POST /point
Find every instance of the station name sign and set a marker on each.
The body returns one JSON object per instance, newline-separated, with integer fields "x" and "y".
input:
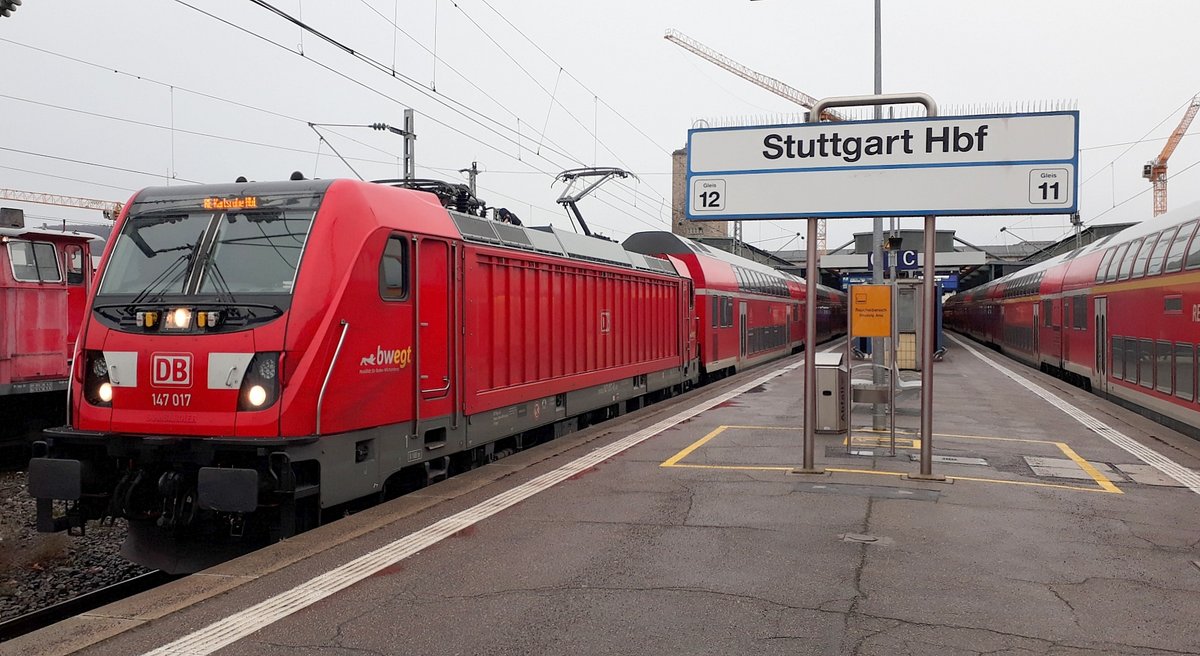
{"x": 851, "y": 149}
{"x": 963, "y": 165}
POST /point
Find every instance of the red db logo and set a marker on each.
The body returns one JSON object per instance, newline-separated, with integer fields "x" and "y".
{"x": 171, "y": 369}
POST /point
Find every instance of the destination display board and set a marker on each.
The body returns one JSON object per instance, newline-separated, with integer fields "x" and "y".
{"x": 958, "y": 165}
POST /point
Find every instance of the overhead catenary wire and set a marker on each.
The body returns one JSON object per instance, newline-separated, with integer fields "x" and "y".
{"x": 67, "y": 178}
{"x": 87, "y": 163}
{"x": 440, "y": 98}
{"x": 551, "y": 93}
{"x": 1134, "y": 143}
{"x": 221, "y": 99}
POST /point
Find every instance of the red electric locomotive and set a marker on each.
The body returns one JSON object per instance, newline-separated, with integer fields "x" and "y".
{"x": 44, "y": 276}
{"x": 1120, "y": 316}
{"x": 258, "y": 352}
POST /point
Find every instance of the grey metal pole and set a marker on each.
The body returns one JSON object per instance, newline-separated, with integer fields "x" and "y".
{"x": 878, "y": 418}
{"x": 410, "y": 146}
{"x": 928, "y": 340}
{"x": 930, "y": 315}
{"x": 810, "y": 353}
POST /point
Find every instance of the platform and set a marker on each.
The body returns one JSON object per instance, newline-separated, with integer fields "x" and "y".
{"x": 681, "y": 529}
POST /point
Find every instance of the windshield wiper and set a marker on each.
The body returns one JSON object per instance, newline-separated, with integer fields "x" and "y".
{"x": 141, "y": 296}
{"x": 218, "y": 279}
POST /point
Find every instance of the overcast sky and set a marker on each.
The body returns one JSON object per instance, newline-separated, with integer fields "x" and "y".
{"x": 152, "y": 92}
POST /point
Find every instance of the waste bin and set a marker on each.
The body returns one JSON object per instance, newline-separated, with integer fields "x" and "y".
{"x": 831, "y": 393}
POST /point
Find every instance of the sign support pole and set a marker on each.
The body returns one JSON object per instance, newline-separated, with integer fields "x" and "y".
{"x": 810, "y": 353}
{"x": 928, "y": 340}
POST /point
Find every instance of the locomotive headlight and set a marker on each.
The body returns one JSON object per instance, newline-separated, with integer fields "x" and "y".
{"x": 260, "y": 386}
{"x": 257, "y": 396}
{"x": 97, "y": 389}
{"x": 179, "y": 319}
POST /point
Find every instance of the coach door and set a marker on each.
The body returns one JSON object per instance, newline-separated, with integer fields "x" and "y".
{"x": 1037, "y": 329}
{"x": 1101, "y": 332}
{"x": 742, "y": 329}
{"x": 435, "y": 339}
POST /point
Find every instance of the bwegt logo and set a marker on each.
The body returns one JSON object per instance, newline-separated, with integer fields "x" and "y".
{"x": 388, "y": 357}
{"x": 171, "y": 369}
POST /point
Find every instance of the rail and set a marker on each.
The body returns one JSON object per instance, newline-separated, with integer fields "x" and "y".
{"x": 44, "y": 617}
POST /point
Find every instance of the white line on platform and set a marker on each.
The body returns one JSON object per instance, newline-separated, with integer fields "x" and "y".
{"x": 1183, "y": 475}
{"x": 245, "y": 622}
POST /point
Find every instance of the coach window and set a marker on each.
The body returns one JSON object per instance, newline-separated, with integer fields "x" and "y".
{"x": 1131, "y": 360}
{"x": 74, "y": 264}
{"x": 1193, "y": 255}
{"x": 1104, "y": 262}
{"x": 1162, "y": 366}
{"x": 1118, "y": 357}
{"x": 1160, "y": 253}
{"x": 1127, "y": 260}
{"x": 1081, "y": 313}
{"x": 1114, "y": 267}
{"x": 1146, "y": 363}
{"x": 393, "y": 269}
{"x": 1178, "y": 246}
{"x": 1139, "y": 265}
{"x": 716, "y": 309}
{"x": 1185, "y": 371}
{"x": 1047, "y": 312}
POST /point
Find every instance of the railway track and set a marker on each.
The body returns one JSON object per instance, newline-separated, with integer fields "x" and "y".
{"x": 39, "y": 619}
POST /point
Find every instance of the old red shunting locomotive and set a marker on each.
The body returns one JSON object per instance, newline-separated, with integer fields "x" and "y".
{"x": 44, "y": 277}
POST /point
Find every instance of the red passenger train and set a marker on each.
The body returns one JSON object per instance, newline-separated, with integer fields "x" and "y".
{"x": 44, "y": 277}
{"x": 1120, "y": 316}
{"x": 256, "y": 353}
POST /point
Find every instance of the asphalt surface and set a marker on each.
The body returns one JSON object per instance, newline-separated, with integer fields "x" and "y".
{"x": 1023, "y": 550}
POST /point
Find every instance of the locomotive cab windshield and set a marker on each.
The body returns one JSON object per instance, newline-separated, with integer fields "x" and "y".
{"x": 229, "y": 260}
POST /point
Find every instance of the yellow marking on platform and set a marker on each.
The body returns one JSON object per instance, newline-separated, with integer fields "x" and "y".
{"x": 1105, "y": 485}
{"x": 877, "y": 472}
{"x": 733, "y": 467}
{"x": 1086, "y": 466}
{"x": 695, "y": 445}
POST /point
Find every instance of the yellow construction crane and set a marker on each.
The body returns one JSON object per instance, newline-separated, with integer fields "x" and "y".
{"x": 110, "y": 208}
{"x": 1156, "y": 170}
{"x": 770, "y": 84}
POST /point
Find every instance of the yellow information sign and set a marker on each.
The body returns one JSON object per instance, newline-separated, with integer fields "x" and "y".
{"x": 871, "y": 310}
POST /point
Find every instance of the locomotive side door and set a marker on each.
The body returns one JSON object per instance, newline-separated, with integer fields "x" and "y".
{"x": 1101, "y": 368}
{"x": 435, "y": 337}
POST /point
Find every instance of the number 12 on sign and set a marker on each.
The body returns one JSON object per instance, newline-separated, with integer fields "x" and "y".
{"x": 708, "y": 195}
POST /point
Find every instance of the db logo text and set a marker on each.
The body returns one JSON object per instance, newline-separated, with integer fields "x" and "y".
{"x": 171, "y": 370}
